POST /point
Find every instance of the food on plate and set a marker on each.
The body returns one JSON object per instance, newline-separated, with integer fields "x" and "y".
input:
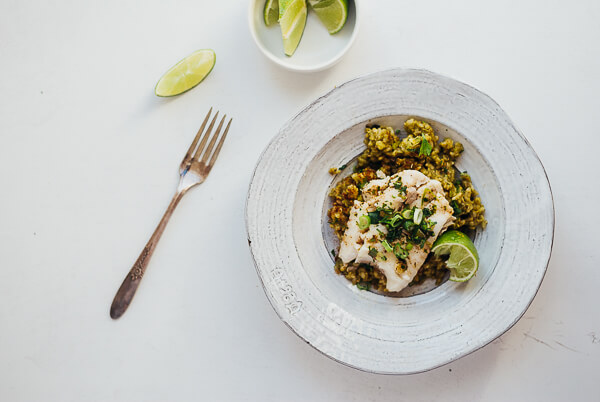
{"x": 463, "y": 258}
{"x": 404, "y": 193}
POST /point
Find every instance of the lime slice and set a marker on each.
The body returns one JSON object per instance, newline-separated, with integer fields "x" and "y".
{"x": 271, "y": 12}
{"x": 292, "y": 18}
{"x": 332, "y": 13}
{"x": 464, "y": 260}
{"x": 186, "y": 74}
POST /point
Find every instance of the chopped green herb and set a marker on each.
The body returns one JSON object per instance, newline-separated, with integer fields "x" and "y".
{"x": 364, "y": 222}
{"x": 456, "y": 208}
{"x": 425, "y": 146}
{"x": 386, "y": 246}
{"x": 395, "y": 221}
{"x": 398, "y": 186}
{"x": 418, "y": 216}
{"x": 342, "y": 167}
{"x": 333, "y": 252}
{"x": 407, "y": 214}
{"x": 373, "y": 252}
{"x": 375, "y": 218}
{"x": 408, "y": 225}
{"x": 362, "y": 286}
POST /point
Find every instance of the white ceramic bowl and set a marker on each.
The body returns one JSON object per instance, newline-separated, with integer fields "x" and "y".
{"x": 291, "y": 241}
{"x": 317, "y": 50}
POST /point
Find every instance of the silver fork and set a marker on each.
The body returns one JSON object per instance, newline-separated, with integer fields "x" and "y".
{"x": 194, "y": 168}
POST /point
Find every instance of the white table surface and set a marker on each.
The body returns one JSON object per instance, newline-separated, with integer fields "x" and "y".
{"x": 88, "y": 162}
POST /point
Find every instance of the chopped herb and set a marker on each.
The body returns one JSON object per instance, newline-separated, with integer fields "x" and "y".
{"x": 375, "y": 218}
{"x": 364, "y": 222}
{"x": 383, "y": 258}
{"x": 398, "y": 186}
{"x": 407, "y": 214}
{"x": 362, "y": 286}
{"x": 342, "y": 167}
{"x": 333, "y": 252}
{"x": 373, "y": 252}
{"x": 418, "y": 216}
{"x": 456, "y": 208}
{"x": 395, "y": 221}
{"x": 400, "y": 252}
{"x": 425, "y": 146}
{"x": 386, "y": 246}
{"x": 408, "y": 225}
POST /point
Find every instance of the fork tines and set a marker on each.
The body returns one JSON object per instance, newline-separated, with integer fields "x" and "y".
{"x": 201, "y": 150}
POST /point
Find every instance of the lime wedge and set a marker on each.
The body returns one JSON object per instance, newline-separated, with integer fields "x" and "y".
{"x": 332, "y": 13}
{"x": 464, "y": 260}
{"x": 271, "y": 12}
{"x": 292, "y": 18}
{"x": 186, "y": 74}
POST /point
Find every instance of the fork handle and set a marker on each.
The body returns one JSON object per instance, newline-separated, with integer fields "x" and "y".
{"x": 134, "y": 277}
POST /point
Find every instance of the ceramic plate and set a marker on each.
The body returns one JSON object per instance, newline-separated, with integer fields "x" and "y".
{"x": 291, "y": 241}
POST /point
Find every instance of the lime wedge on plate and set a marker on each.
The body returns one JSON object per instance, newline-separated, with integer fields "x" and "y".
{"x": 332, "y": 13}
{"x": 186, "y": 74}
{"x": 292, "y": 18}
{"x": 464, "y": 260}
{"x": 271, "y": 12}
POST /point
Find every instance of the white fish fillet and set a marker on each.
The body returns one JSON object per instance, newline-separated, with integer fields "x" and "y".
{"x": 355, "y": 244}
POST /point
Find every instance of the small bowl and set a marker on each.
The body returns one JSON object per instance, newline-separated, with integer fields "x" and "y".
{"x": 317, "y": 50}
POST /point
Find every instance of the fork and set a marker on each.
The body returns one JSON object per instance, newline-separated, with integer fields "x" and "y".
{"x": 193, "y": 170}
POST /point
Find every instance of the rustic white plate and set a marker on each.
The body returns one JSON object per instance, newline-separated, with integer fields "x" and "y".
{"x": 291, "y": 241}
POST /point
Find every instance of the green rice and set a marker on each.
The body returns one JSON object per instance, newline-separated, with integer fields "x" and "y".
{"x": 387, "y": 152}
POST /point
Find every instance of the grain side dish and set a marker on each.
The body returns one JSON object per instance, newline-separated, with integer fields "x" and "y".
{"x": 403, "y": 194}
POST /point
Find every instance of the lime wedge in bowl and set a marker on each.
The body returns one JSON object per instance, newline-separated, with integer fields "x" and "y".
{"x": 332, "y": 13}
{"x": 292, "y": 18}
{"x": 464, "y": 260}
{"x": 186, "y": 74}
{"x": 271, "y": 12}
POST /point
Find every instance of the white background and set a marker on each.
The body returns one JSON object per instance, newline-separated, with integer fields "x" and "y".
{"x": 88, "y": 162}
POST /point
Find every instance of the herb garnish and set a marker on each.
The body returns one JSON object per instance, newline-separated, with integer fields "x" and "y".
{"x": 364, "y": 222}
{"x": 456, "y": 208}
{"x": 373, "y": 252}
{"x": 362, "y": 286}
{"x": 398, "y": 186}
{"x": 374, "y": 216}
{"x": 425, "y": 146}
